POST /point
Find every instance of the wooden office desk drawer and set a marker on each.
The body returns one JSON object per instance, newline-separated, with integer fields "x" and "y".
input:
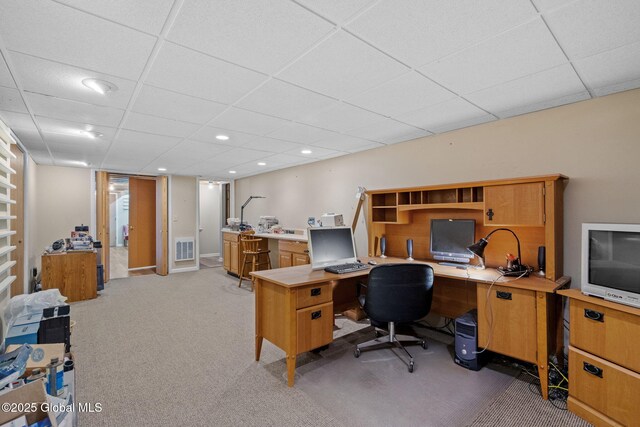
{"x": 314, "y": 327}
{"x": 605, "y": 332}
{"x": 507, "y": 321}
{"x": 295, "y": 247}
{"x": 605, "y": 387}
{"x": 313, "y": 295}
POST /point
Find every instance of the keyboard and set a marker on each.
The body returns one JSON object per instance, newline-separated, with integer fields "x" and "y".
{"x": 346, "y": 268}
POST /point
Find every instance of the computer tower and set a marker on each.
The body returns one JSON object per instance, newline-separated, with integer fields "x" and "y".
{"x": 466, "y": 342}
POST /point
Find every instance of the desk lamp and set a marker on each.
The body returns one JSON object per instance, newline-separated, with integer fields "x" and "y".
{"x": 515, "y": 269}
{"x": 243, "y": 226}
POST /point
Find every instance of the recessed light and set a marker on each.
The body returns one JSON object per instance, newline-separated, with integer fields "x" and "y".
{"x": 306, "y": 151}
{"x": 222, "y": 137}
{"x": 112, "y": 187}
{"x": 100, "y": 86}
{"x": 262, "y": 164}
{"x": 162, "y": 169}
{"x": 90, "y": 134}
{"x": 232, "y": 171}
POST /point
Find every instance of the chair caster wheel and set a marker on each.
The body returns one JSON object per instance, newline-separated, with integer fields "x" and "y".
{"x": 410, "y": 367}
{"x": 356, "y": 353}
{"x": 425, "y": 345}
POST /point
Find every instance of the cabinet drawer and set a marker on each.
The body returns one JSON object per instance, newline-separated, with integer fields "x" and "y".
{"x": 314, "y": 327}
{"x": 605, "y": 332}
{"x": 313, "y": 295}
{"x": 295, "y": 247}
{"x": 301, "y": 259}
{"x": 507, "y": 320}
{"x": 230, "y": 237}
{"x": 604, "y": 386}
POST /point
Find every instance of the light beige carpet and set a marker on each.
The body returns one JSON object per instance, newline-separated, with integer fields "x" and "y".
{"x": 178, "y": 351}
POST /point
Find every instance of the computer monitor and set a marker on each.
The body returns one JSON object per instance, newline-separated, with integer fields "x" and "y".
{"x": 330, "y": 246}
{"x": 450, "y": 239}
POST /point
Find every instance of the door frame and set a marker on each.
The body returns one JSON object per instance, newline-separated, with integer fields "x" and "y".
{"x": 162, "y": 227}
{"x": 223, "y": 211}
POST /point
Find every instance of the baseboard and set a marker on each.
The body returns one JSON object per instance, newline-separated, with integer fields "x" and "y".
{"x": 210, "y": 255}
{"x": 184, "y": 269}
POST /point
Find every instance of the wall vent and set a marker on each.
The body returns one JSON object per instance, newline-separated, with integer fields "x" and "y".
{"x": 184, "y": 248}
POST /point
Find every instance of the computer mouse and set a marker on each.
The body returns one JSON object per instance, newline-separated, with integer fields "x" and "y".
{"x": 372, "y": 262}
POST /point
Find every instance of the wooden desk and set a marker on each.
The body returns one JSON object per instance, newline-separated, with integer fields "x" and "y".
{"x": 295, "y": 307}
{"x": 74, "y": 273}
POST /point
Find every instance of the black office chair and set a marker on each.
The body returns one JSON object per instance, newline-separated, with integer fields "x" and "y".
{"x": 396, "y": 293}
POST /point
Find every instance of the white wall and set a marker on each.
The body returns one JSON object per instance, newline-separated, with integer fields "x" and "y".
{"x": 182, "y": 219}
{"x": 122, "y": 217}
{"x": 595, "y": 143}
{"x": 210, "y": 204}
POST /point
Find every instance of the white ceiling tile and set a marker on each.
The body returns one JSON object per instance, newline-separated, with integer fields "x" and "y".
{"x": 236, "y": 139}
{"x": 548, "y": 5}
{"x": 70, "y": 144}
{"x": 463, "y": 123}
{"x": 343, "y": 143}
{"x": 31, "y": 139}
{"x": 158, "y": 125}
{"x": 247, "y": 121}
{"x": 186, "y": 71}
{"x": 141, "y": 145}
{"x": 270, "y": 144}
{"x": 18, "y": 121}
{"x": 531, "y": 90}
{"x": 303, "y": 134}
{"x": 260, "y": 35}
{"x": 10, "y": 100}
{"x": 76, "y": 158}
{"x": 341, "y": 116}
{"x": 611, "y": 67}
{"x": 283, "y": 159}
{"x": 74, "y": 111}
{"x": 40, "y": 156}
{"x": 65, "y": 81}
{"x": 337, "y": 11}
{"x": 73, "y": 129}
{"x": 525, "y": 50}
{"x": 196, "y": 150}
{"x": 239, "y": 155}
{"x": 408, "y": 92}
{"x": 542, "y": 105}
{"x": 172, "y": 105}
{"x": 369, "y": 146}
{"x": 587, "y": 27}
{"x": 446, "y": 115}
{"x": 54, "y": 31}
{"x": 145, "y": 15}
{"x": 421, "y": 31}
{"x": 618, "y": 87}
{"x": 5, "y": 76}
{"x": 169, "y": 162}
{"x": 316, "y": 152}
{"x": 342, "y": 66}
{"x": 281, "y": 99}
{"x": 388, "y": 131}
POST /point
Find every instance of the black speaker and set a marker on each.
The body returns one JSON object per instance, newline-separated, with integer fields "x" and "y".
{"x": 541, "y": 258}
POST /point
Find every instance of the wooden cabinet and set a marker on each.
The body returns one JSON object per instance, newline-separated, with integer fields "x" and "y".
{"x": 293, "y": 253}
{"x": 75, "y": 274}
{"x": 232, "y": 252}
{"x": 604, "y": 367}
{"x": 507, "y": 321}
{"x": 514, "y": 204}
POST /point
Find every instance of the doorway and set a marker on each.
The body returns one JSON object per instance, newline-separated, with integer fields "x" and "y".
{"x": 132, "y": 217}
{"x": 211, "y": 214}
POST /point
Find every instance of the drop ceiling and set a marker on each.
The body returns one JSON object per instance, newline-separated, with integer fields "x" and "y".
{"x": 328, "y": 76}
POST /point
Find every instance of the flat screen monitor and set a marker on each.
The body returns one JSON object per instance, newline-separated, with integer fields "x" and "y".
{"x": 450, "y": 239}
{"x": 330, "y": 246}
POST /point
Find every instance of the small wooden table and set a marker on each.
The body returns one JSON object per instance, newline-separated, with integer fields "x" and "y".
{"x": 74, "y": 273}
{"x": 295, "y": 308}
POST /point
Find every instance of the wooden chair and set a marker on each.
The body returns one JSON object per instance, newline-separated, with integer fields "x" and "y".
{"x": 252, "y": 254}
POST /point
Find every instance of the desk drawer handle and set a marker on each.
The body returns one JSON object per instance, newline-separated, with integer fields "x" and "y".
{"x": 316, "y": 314}
{"x": 503, "y": 295}
{"x": 592, "y": 369}
{"x": 594, "y": 315}
{"x": 315, "y": 292}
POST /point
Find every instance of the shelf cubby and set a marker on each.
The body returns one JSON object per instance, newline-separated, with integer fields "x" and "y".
{"x": 384, "y": 199}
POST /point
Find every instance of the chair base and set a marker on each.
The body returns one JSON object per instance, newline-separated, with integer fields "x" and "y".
{"x": 391, "y": 340}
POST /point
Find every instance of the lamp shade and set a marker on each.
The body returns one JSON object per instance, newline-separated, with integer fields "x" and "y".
{"x": 478, "y": 247}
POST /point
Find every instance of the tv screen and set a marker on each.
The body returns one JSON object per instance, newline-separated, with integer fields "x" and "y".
{"x": 450, "y": 239}
{"x": 614, "y": 259}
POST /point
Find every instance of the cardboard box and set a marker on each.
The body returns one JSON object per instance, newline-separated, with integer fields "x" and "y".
{"x": 41, "y": 355}
{"x": 32, "y": 393}
{"x": 23, "y": 334}
{"x": 28, "y": 319}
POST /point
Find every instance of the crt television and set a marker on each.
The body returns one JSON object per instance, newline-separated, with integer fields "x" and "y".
{"x": 611, "y": 262}
{"x": 330, "y": 246}
{"x": 450, "y": 239}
